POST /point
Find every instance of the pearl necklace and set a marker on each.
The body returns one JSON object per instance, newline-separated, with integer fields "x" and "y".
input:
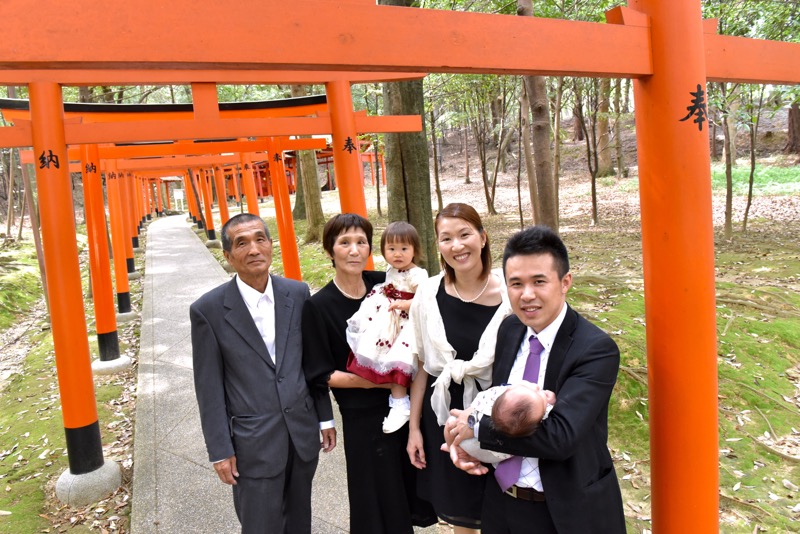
{"x": 470, "y": 301}
{"x": 345, "y": 293}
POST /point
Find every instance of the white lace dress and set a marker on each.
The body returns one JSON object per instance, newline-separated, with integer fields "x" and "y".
{"x": 382, "y": 345}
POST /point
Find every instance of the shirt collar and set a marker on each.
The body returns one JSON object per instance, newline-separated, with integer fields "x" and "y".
{"x": 548, "y": 334}
{"x": 252, "y": 296}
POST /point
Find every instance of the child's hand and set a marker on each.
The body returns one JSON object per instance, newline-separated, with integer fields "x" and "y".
{"x": 402, "y": 305}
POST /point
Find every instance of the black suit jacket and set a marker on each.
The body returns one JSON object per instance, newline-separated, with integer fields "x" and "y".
{"x": 250, "y": 406}
{"x": 578, "y": 477}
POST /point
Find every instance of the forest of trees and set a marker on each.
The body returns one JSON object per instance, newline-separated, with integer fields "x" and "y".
{"x": 494, "y": 114}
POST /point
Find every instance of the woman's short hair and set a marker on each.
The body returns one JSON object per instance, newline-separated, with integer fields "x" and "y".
{"x": 465, "y": 212}
{"x": 401, "y": 232}
{"x": 339, "y": 224}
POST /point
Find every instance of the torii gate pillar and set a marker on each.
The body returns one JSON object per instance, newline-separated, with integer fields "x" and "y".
{"x": 100, "y": 265}
{"x": 248, "y": 184}
{"x": 678, "y": 262}
{"x": 346, "y": 158}
{"x": 89, "y": 477}
{"x": 348, "y": 172}
{"x": 205, "y": 189}
{"x": 187, "y": 189}
{"x": 160, "y": 203}
{"x": 222, "y": 194}
{"x": 283, "y": 211}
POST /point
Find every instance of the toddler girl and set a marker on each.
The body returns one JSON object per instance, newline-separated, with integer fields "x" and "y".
{"x": 382, "y": 349}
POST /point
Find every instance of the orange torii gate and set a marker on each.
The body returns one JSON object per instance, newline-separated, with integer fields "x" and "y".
{"x": 126, "y": 123}
{"x": 274, "y": 147}
{"x": 662, "y": 45}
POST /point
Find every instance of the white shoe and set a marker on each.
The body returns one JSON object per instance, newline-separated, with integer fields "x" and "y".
{"x": 395, "y": 420}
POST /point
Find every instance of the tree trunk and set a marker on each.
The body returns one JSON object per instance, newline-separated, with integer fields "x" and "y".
{"x": 590, "y": 137}
{"x": 466, "y": 154}
{"x": 525, "y": 141}
{"x": 605, "y": 166}
{"x": 622, "y": 171}
{"x": 435, "y": 161}
{"x": 501, "y": 148}
{"x": 21, "y": 217}
{"x": 714, "y": 147}
{"x": 793, "y": 131}
{"x": 752, "y": 129}
{"x": 85, "y": 94}
{"x": 378, "y": 174}
{"x": 626, "y": 103}
{"x": 479, "y": 129}
{"x": 395, "y": 179}
{"x": 504, "y": 141}
{"x": 728, "y": 178}
{"x": 732, "y": 107}
{"x": 307, "y": 172}
{"x": 540, "y": 120}
{"x": 557, "y": 137}
{"x": 752, "y": 126}
{"x": 577, "y": 128}
{"x": 10, "y": 197}
{"x": 37, "y": 238}
{"x": 497, "y": 109}
{"x": 407, "y": 165}
{"x": 543, "y": 157}
{"x": 519, "y": 168}
{"x": 299, "y": 210}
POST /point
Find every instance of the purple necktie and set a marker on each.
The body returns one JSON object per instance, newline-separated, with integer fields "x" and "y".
{"x": 507, "y": 472}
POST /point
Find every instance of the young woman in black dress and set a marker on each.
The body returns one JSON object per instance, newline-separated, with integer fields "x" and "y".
{"x": 455, "y": 316}
{"x": 380, "y": 482}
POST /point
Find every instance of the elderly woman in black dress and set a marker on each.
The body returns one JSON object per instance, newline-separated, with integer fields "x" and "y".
{"x": 455, "y": 316}
{"x": 380, "y": 481}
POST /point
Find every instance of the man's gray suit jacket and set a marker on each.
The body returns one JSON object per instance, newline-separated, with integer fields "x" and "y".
{"x": 250, "y": 406}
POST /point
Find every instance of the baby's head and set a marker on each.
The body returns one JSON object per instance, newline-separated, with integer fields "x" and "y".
{"x": 400, "y": 244}
{"x": 519, "y": 410}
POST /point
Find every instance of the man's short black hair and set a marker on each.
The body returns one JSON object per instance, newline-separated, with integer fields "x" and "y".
{"x": 236, "y": 220}
{"x": 535, "y": 240}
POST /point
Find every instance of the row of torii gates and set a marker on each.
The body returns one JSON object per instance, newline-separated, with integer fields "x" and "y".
{"x": 134, "y": 172}
{"x": 141, "y": 166}
{"x": 665, "y": 46}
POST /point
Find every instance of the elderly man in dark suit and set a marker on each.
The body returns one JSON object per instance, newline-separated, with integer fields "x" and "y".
{"x": 259, "y": 421}
{"x": 562, "y": 479}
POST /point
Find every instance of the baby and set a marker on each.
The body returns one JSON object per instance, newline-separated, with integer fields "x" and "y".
{"x": 516, "y": 412}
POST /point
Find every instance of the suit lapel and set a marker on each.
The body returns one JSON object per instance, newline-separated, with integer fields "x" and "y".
{"x": 560, "y": 348}
{"x": 505, "y": 361}
{"x": 238, "y": 316}
{"x": 284, "y": 306}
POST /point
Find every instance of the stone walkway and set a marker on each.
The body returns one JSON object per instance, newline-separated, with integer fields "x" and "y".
{"x": 175, "y": 489}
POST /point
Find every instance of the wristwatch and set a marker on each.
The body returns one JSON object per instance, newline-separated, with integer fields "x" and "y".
{"x": 471, "y": 421}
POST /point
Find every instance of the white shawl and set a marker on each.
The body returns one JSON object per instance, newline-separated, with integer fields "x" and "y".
{"x": 438, "y": 356}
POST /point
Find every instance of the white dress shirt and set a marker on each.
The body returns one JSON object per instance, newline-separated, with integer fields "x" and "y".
{"x": 529, "y": 473}
{"x": 262, "y": 308}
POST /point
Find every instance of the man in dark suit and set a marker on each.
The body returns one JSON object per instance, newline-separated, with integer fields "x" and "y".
{"x": 563, "y": 479}
{"x": 259, "y": 421}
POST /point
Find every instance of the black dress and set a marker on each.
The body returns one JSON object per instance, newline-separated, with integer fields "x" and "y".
{"x": 381, "y": 482}
{"x": 457, "y": 496}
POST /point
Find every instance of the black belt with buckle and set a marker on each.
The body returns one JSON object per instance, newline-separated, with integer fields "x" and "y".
{"x": 525, "y": 494}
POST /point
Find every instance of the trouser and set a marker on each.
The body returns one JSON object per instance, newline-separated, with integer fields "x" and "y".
{"x": 280, "y": 504}
{"x": 504, "y": 514}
